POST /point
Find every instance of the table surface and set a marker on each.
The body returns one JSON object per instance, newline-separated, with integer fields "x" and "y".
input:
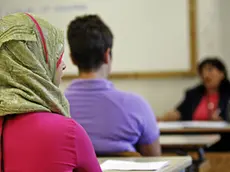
{"x": 206, "y": 129}
{"x": 195, "y": 130}
{"x": 176, "y": 164}
{"x": 184, "y": 141}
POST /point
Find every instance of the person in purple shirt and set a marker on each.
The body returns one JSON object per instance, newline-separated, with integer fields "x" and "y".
{"x": 115, "y": 121}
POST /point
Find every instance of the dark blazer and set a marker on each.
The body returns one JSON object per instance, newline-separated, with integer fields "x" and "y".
{"x": 193, "y": 97}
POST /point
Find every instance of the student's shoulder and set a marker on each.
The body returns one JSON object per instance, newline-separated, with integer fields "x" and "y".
{"x": 67, "y": 123}
{"x": 57, "y": 127}
{"x": 132, "y": 99}
{"x": 70, "y": 89}
{"x": 54, "y": 121}
{"x": 69, "y": 128}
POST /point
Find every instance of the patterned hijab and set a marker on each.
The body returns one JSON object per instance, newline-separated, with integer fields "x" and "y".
{"x": 30, "y": 52}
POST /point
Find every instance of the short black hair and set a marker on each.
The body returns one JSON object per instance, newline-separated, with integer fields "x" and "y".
{"x": 89, "y": 38}
{"x": 215, "y": 62}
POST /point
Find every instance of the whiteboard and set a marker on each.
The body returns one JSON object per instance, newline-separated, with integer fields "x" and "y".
{"x": 150, "y": 36}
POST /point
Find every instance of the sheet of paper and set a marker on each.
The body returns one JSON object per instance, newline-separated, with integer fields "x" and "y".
{"x": 130, "y": 165}
{"x": 192, "y": 124}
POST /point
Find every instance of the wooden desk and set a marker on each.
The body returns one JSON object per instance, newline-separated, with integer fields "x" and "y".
{"x": 182, "y": 144}
{"x": 184, "y": 127}
{"x": 176, "y": 164}
{"x": 195, "y": 130}
{"x": 188, "y": 141}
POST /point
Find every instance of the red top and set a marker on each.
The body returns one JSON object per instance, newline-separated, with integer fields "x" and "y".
{"x": 46, "y": 142}
{"x": 208, "y": 105}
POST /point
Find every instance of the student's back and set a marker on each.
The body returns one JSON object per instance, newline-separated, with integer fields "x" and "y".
{"x": 37, "y": 133}
{"x": 45, "y": 142}
{"x": 115, "y": 121}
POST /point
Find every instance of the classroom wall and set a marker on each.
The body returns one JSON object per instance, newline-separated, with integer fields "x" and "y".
{"x": 224, "y": 12}
{"x": 213, "y": 39}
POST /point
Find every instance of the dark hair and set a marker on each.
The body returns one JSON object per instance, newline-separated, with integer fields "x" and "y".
{"x": 89, "y": 38}
{"x": 215, "y": 62}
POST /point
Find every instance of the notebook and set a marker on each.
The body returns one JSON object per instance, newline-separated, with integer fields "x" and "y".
{"x": 131, "y": 165}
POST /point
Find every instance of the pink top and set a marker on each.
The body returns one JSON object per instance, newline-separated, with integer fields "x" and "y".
{"x": 46, "y": 142}
{"x": 208, "y": 105}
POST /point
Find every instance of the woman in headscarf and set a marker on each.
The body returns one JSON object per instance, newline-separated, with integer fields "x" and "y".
{"x": 36, "y": 133}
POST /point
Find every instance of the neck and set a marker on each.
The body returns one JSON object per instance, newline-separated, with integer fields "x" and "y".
{"x": 212, "y": 91}
{"x": 89, "y": 75}
{"x": 100, "y": 73}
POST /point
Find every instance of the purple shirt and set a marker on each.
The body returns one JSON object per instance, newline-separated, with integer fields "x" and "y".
{"x": 115, "y": 121}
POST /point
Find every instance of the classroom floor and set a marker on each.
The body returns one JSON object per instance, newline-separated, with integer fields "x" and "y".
{"x": 216, "y": 161}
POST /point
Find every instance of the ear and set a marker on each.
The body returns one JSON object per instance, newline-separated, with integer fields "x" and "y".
{"x": 73, "y": 59}
{"x": 107, "y": 56}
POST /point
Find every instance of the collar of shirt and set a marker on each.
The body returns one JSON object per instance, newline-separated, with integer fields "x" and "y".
{"x": 92, "y": 84}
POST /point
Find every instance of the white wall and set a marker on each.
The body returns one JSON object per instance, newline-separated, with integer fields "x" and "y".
{"x": 164, "y": 94}
{"x": 224, "y": 12}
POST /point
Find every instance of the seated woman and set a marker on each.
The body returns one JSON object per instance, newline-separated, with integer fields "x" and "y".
{"x": 36, "y": 133}
{"x": 207, "y": 101}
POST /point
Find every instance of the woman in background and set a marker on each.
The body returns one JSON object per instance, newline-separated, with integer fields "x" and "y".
{"x": 36, "y": 133}
{"x": 207, "y": 101}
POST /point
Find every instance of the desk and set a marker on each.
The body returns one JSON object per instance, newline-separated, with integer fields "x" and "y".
{"x": 188, "y": 141}
{"x": 181, "y": 128}
{"x": 182, "y": 144}
{"x": 194, "y": 127}
{"x": 195, "y": 130}
{"x": 176, "y": 164}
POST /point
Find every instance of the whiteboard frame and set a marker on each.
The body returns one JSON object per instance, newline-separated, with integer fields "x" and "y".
{"x": 192, "y": 10}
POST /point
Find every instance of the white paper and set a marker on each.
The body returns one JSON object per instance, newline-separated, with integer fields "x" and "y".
{"x": 130, "y": 165}
{"x": 192, "y": 124}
